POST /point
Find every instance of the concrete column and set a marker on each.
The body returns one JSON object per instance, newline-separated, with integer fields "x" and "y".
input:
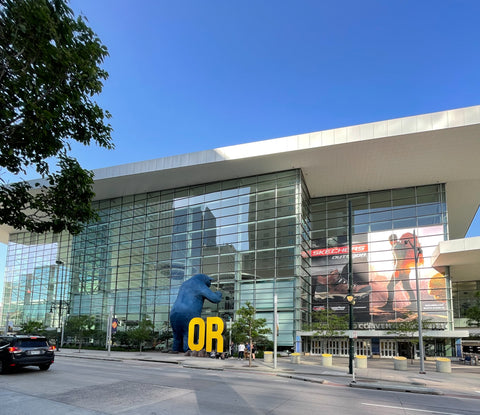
{"x": 326, "y": 359}
{"x": 295, "y": 358}
{"x": 444, "y": 365}
{"x": 400, "y": 363}
{"x": 361, "y": 362}
{"x": 268, "y": 357}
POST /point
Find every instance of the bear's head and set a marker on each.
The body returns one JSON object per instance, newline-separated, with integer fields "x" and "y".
{"x": 203, "y": 278}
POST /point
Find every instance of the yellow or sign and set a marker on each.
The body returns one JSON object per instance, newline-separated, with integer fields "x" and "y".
{"x": 210, "y": 330}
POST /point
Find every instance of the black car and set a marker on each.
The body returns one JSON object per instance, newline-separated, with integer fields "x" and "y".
{"x": 22, "y": 350}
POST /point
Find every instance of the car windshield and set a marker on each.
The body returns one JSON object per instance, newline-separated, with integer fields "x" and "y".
{"x": 31, "y": 343}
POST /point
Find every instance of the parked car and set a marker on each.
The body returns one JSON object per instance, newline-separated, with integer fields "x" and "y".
{"x": 23, "y": 350}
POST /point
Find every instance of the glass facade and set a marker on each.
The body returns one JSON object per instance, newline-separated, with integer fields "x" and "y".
{"x": 35, "y": 286}
{"x": 256, "y": 237}
{"x": 247, "y": 234}
{"x": 464, "y": 297}
{"x": 389, "y": 229}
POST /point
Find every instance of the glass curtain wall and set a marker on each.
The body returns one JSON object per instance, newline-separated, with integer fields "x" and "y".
{"x": 247, "y": 234}
{"x": 37, "y": 279}
{"x": 389, "y": 227}
{"x": 466, "y": 295}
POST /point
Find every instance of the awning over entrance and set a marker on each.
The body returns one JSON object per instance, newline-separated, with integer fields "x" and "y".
{"x": 461, "y": 255}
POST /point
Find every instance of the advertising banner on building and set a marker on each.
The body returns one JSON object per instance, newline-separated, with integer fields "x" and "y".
{"x": 384, "y": 276}
{"x": 393, "y": 274}
{"x": 330, "y": 276}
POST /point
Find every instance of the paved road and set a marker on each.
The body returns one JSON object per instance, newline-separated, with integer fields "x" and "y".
{"x": 138, "y": 384}
{"x": 463, "y": 380}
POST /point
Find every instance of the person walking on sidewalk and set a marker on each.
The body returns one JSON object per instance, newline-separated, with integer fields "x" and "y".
{"x": 241, "y": 351}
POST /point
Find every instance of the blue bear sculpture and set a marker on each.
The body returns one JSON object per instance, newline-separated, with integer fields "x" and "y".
{"x": 189, "y": 304}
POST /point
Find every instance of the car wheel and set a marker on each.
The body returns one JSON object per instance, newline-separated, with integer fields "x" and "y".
{"x": 44, "y": 367}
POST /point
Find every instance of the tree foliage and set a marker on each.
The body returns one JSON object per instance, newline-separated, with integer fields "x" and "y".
{"x": 80, "y": 327}
{"x": 32, "y": 327}
{"x": 248, "y": 327}
{"x": 329, "y": 324}
{"x": 140, "y": 334}
{"x": 408, "y": 328}
{"x": 49, "y": 74}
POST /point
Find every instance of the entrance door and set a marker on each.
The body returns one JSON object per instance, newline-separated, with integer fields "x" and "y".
{"x": 405, "y": 350}
{"x": 388, "y": 348}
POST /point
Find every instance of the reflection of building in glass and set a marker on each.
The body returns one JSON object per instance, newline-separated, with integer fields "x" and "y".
{"x": 271, "y": 223}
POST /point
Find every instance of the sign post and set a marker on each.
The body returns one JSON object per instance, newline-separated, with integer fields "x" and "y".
{"x": 110, "y": 325}
{"x": 275, "y": 331}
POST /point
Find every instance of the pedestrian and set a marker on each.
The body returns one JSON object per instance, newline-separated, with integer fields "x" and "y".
{"x": 241, "y": 351}
{"x": 247, "y": 350}
{"x": 254, "y": 350}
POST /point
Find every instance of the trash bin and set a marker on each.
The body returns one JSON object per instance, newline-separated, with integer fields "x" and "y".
{"x": 400, "y": 363}
{"x": 268, "y": 357}
{"x": 295, "y": 358}
{"x": 361, "y": 362}
{"x": 444, "y": 365}
{"x": 326, "y": 359}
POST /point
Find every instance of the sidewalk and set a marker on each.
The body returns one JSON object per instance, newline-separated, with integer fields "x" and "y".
{"x": 379, "y": 374}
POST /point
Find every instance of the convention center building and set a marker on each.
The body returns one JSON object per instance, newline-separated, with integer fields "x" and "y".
{"x": 269, "y": 219}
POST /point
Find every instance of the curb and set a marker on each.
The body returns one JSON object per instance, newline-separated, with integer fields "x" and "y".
{"x": 305, "y": 379}
{"x": 188, "y": 366}
{"x": 395, "y": 388}
{"x": 114, "y": 359}
{"x": 119, "y": 359}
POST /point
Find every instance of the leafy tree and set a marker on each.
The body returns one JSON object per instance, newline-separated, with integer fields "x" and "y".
{"x": 49, "y": 73}
{"x": 121, "y": 338}
{"x": 328, "y": 324}
{"x": 80, "y": 327}
{"x": 408, "y": 327}
{"x": 140, "y": 334}
{"x": 32, "y": 327}
{"x": 165, "y": 335}
{"x": 248, "y": 327}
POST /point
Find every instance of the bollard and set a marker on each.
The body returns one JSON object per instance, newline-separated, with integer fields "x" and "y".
{"x": 361, "y": 362}
{"x": 295, "y": 358}
{"x": 400, "y": 363}
{"x": 268, "y": 357}
{"x": 326, "y": 359}
{"x": 444, "y": 365}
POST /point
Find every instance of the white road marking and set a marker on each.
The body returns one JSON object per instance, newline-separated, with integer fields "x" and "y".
{"x": 410, "y": 409}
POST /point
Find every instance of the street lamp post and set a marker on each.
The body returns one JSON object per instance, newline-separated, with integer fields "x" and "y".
{"x": 7, "y": 323}
{"x": 350, "y": 297}
{"x": 275, "y": 331}
{"x": 416, "y": 251}
{"x": 419, "y": 308}
{"x": 61, "y": 302}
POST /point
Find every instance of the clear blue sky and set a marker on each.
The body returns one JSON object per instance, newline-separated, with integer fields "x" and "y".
{"x": 194, "y": 75}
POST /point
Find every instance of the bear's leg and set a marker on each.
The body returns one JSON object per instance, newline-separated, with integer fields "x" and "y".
{"x": 177, "y": 340}
{"x": 185, "y": 341}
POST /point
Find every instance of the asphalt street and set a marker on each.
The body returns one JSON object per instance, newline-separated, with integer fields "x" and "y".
{"x": 379, "y": 374}
{"x": 94, "y": 383}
